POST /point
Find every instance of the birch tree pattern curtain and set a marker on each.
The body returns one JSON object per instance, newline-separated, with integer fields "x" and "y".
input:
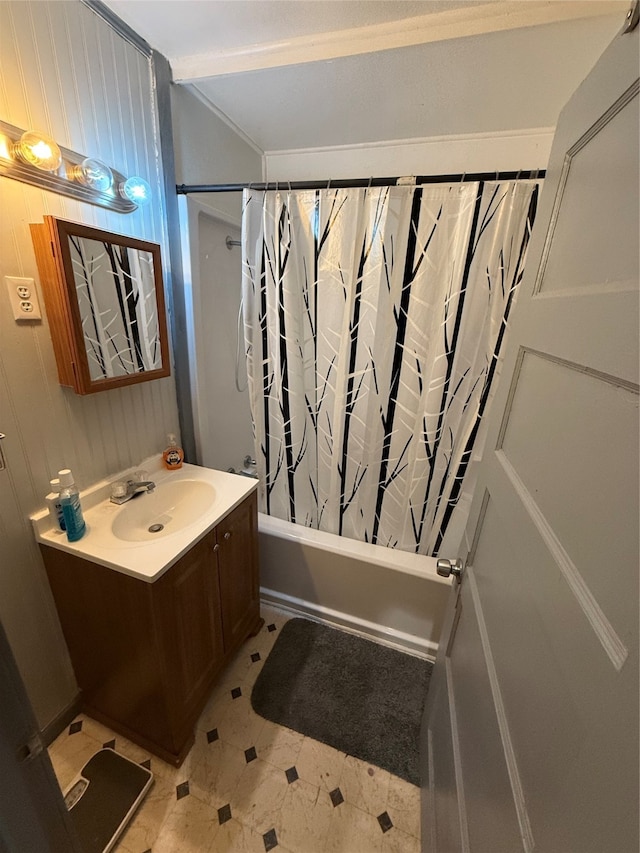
{"x": 373, "y": 323}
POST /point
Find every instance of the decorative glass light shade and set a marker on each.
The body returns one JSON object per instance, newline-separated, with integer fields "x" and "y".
{"x": 39, "y": 151}
{"x": 136, "y": 190}
{"x": 94, "y": 174}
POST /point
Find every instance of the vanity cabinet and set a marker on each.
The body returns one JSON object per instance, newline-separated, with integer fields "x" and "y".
{"x": 146, "y": 654}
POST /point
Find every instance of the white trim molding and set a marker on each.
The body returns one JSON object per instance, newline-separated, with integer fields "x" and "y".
{"x": 423, "y": 29}
{"x": 391, "y": 637}
{"x": 437, "y": 155}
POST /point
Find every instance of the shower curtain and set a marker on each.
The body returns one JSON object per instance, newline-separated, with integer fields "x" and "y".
{"x": 373, "y": 323}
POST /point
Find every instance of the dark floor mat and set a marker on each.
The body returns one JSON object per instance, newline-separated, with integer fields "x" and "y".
{"x": 104, "y": 798}
{"x": 357, "y": 696}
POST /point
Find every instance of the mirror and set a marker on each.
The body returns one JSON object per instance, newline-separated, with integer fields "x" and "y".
{"x": 105, "y": 303}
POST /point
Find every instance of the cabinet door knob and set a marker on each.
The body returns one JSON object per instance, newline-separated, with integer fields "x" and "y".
{"x": 215, "y": 547}
{"x": 227, "y": 535}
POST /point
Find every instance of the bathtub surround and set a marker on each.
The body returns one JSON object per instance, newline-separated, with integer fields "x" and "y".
{"x": 374, "y": 321}
{"x": 352, "y": 694}
{"x": 391, "y": 596}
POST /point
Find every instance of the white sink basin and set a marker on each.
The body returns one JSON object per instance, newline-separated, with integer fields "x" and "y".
{"x": 185, "y": 505}
{"x": 171, "y": 507}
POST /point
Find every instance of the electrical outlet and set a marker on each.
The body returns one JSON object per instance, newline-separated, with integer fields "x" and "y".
{"x": 23, "y": 297}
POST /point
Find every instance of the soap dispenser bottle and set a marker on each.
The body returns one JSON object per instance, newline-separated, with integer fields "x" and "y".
{"x": 173, "y": 455}
{"x": 71, "y": 509}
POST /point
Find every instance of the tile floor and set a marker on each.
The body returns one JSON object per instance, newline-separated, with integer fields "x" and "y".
{"x": 250, "y": 786}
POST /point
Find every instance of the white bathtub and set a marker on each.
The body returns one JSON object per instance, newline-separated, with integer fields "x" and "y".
{"x": 386, "y": 595}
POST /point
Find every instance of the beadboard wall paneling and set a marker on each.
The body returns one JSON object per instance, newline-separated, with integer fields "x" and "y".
{"x": 66, "y": 72}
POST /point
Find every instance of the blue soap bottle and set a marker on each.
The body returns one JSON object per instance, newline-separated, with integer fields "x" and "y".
{"x": 71, "y": 509}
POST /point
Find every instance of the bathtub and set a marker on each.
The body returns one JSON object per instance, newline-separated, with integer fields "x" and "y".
{"x": 386, "y": 595}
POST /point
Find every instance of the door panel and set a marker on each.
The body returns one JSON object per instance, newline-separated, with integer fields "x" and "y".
{"x": 550, "y": 596}
{"x": 442, "y": 792}
{"x": 603, "y": 171}
{"x": 572, "y": 480}
{"x": 492, "y": 819}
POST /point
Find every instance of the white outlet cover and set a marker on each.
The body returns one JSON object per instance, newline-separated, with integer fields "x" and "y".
{"x": 24, "y": 298}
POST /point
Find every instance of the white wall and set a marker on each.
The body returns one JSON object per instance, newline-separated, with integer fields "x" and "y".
{"x": 208, "y": 150}
{"x": 442, "y": 155}
{"x": 222, "y": 418}
{"x": 66, "y": 72}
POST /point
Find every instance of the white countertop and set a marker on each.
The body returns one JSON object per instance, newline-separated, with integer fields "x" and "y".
{"x": 146, "y": 560}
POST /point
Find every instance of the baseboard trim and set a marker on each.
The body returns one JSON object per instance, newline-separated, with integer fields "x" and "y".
{"x": 60, "y": 722}
{"x": 408, "y": 643}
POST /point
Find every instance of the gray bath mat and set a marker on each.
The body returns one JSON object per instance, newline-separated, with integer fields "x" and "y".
{"x": 357, "y": 696}
{"x": 103, "y": 798}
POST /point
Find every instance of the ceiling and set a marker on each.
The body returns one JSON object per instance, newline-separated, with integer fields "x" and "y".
{"x": 294, "y": 74}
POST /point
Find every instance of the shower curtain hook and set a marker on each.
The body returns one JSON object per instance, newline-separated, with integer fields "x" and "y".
{"x": 369, "y": 184}
{"x": 328, "y": 184}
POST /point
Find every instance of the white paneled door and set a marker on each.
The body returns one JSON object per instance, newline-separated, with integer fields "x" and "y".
{"x": 530, "y": 737}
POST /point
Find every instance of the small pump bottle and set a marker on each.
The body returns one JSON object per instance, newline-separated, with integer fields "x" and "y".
{"x": 71, "y": 509}
{"x": 173, "y": 455}
{"x": 54, "y": 505}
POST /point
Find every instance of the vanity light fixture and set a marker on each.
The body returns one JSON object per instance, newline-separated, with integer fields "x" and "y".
{"x": 136, "y": 190}
{"x": 36, "y": 159}
{"x": 93, "y": 173}
{"x": 39, "y": 150}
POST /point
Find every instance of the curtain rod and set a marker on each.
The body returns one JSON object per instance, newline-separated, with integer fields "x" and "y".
{"x": 343, "y": 183}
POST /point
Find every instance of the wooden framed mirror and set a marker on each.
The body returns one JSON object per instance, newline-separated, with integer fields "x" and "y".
{"x": 105, "y": 303}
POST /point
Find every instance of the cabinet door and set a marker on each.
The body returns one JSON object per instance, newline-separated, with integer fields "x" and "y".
{"x": 237, "y": 537}
{"x": 188, "y": 609}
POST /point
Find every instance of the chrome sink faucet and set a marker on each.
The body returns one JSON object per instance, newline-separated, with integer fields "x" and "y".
{"x": 125, "y": 490}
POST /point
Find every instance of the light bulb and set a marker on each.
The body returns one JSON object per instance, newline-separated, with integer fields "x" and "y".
{"x": 94, "y": 174}
{"x": 136, "y": 190}
{"x": 39, "y": 151}
{"x": 5, "y": 147}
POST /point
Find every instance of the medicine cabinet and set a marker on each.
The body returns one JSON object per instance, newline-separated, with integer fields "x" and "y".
{"x": 105, "y": 304}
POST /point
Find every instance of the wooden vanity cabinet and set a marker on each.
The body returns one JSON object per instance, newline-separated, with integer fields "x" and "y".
{"x": 146, "y": 654}
{"x": 237, "y": 540}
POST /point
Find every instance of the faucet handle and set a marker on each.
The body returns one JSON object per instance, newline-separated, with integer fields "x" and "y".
{"x": 118, "y": 489}
{"x": 140, "y": 476}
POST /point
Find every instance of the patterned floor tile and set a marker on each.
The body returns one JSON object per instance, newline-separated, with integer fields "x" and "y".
{"x": 304, "y": 818}
{"x": 319, "y": 764}
{"x": 403, "y": 805}
{"x": 240, "y": 725}
{"x": 295, "y": 795}
{"x": 278, "y": 745}
{"x": 95, "y": 729}
{"x": 190, "y": 827}
{"x": 258, "y": 798}
{"x": 352, "y": 830}
{"x": 336, "y": 797}
{"x": 396, "y": 841}
{"x": 235, "y": 837}
{"x": 69, "y": 753}
{"x": 364, "y": 786}
{"x": 218, "y": 702}
{"x": 143, "y": 830}
{"x": 215, "y": 778}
